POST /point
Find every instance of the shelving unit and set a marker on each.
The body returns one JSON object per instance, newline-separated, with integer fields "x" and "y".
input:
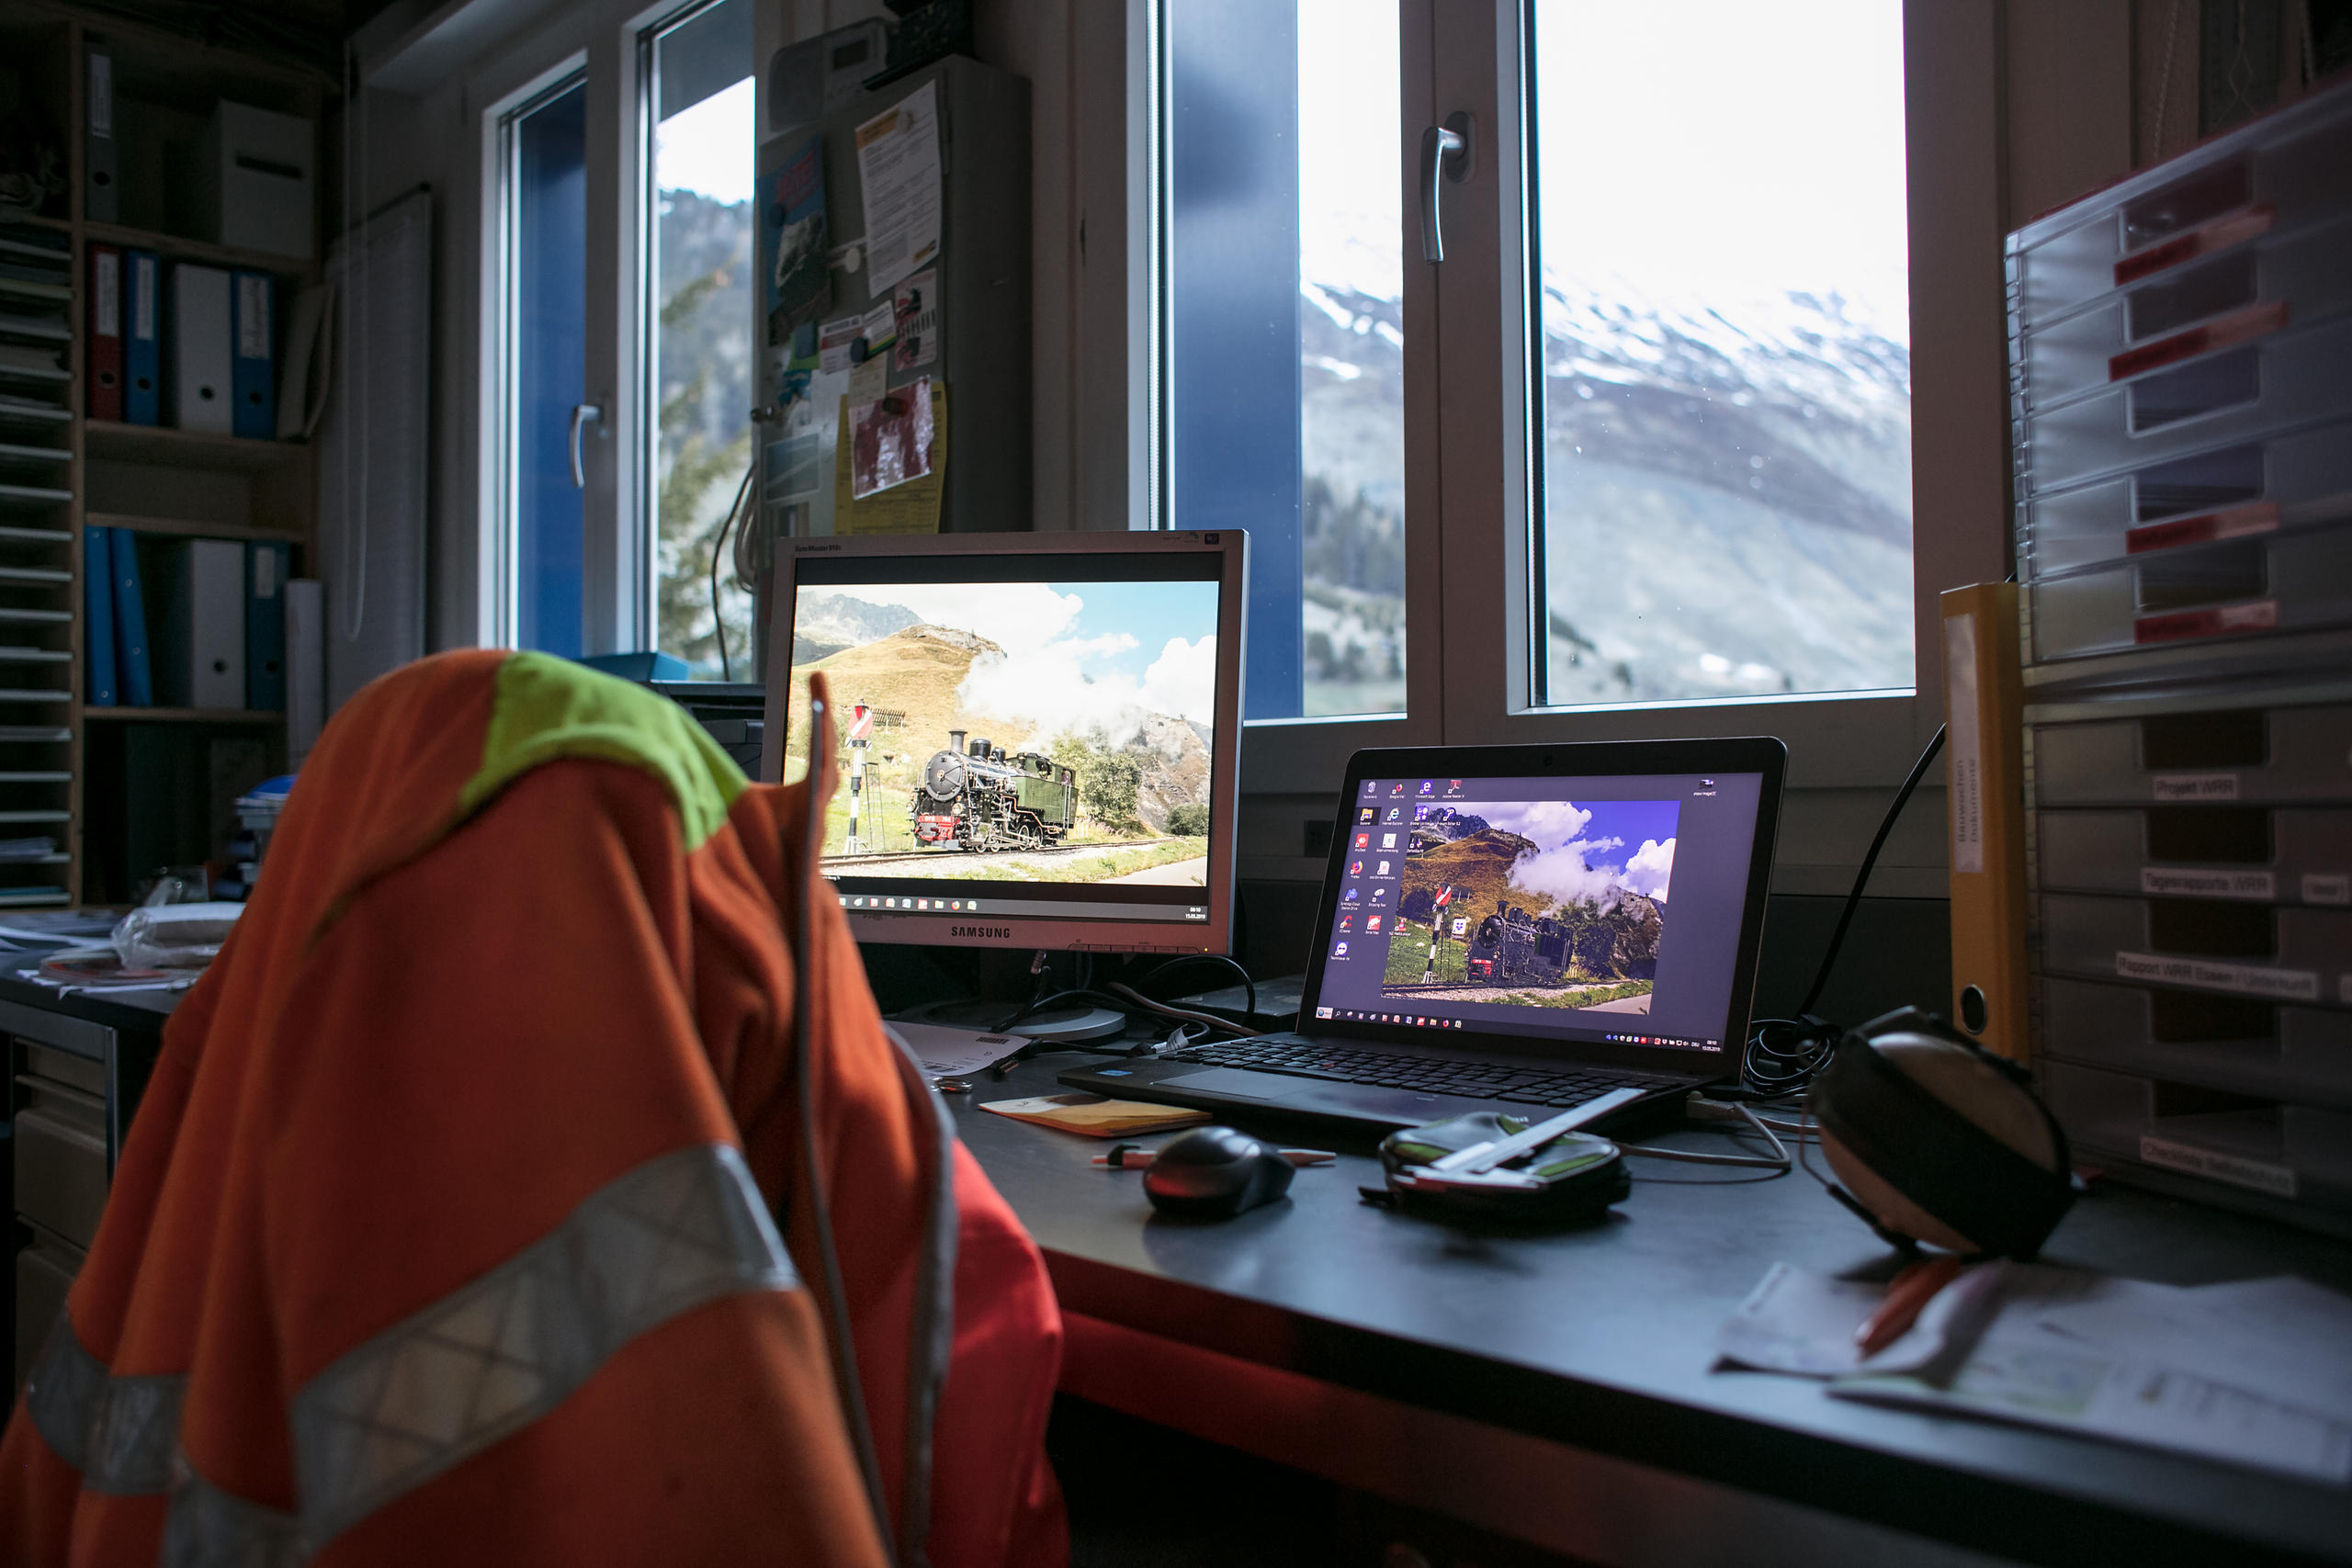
{"x": 70, "y": 770}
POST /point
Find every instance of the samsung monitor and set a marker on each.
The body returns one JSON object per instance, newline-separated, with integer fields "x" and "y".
{"x": 1037, "y": 734}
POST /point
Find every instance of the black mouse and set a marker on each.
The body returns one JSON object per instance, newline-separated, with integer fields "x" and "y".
{"x": 1213, "y": 1173}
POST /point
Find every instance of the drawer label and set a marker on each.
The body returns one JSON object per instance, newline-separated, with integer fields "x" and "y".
{"x": 2251, "y": 321}
{"x": 2230, "y": 229}
{"x": 2221, "y": 620}
{"x": 2260, "y": 1176}
{"x": 2208, "y": 884}
{"x": 2323, "y": 889}
{"x": 2247, "y": 979}
{"x": 2234, "y": 523}
{"x": 2196, "y": 786}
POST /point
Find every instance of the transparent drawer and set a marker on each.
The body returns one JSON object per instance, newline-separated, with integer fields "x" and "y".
{"x": 2240, "y": 1043}
{"x": 2199, "y": 852}
{"x": 2257, "y": 586}
{"x": 2250, "y": 392}
{"x": 2229, "y": 493}
{"x": 2243, "y": 293}
{"x": 2258, "y": 756}
{"x": 2280, "y": 175}
{"x": 2292, "y": 953}
{"x": 2296, "y": 1151}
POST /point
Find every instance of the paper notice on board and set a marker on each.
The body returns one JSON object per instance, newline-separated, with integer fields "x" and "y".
{"x": 889, "y": 439}
{"x": 909, "y": 508}
{"x": 898, "y": 164}
{"x": 916, "y": 302}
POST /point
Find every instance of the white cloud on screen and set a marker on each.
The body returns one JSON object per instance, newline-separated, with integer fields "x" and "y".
{"x": 1017, "y": 616}
{"x": 1651, "y": 868}
{"x": 1549, "y": 823}
{"x": 1057, "y": 688}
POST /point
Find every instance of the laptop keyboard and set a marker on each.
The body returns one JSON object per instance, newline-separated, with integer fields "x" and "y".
{"x": 1474, "y": 1081}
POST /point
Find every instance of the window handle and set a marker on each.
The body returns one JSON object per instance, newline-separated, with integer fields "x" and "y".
{"x": 581, "y": 415}
{"x": 1446, "y": 147}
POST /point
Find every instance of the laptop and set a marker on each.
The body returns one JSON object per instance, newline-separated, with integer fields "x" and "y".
{"x": 1515, "y": 928}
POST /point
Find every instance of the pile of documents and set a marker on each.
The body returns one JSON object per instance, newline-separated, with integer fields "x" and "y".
{"x": 2255, "y": 1373}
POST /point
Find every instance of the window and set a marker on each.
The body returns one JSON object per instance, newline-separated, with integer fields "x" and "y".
{"x": 542, "y": 338}
{"x": 1724, "y": 330}
{"x": 697, "y": 344}
{"x": 1286, "y": 336}
{"x": 1637, "y": 457}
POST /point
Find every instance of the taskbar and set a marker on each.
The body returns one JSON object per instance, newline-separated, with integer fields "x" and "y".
{"x": 1057, "y": 908}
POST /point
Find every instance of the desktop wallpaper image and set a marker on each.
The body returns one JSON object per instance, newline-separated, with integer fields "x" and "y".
{"x": 1022, "y": 731}
{"x": 1533, "y": 904}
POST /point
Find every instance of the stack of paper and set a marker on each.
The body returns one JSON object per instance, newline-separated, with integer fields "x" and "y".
{"x": 2255, "y": 1373}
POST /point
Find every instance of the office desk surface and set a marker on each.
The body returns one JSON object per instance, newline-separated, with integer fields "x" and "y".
{"x": 1600, "y": 1338}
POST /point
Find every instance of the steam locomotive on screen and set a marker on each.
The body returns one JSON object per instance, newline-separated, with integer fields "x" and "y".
{"x": 975, "y": 798}
{"x": 1510, "y": 945}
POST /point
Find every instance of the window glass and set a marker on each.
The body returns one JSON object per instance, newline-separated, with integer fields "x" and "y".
{"x": 1725, "y": 336}
{"x": 1285, "y": 365}
{"x": 698, "y": 254}
{"x": 546, "y": 370}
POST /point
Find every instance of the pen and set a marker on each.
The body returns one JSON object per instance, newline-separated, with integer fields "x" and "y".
{"x": 1907, "y": 1295}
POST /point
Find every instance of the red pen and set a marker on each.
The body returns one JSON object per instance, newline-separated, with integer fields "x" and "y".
{"x": 1907, "y": 1295}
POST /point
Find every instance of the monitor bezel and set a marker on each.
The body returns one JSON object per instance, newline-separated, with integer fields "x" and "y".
{"x": 1047, "y": 932}
{"x": 1761, "y": 754}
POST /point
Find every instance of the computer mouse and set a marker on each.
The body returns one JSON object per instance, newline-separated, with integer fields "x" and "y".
{"x": 1213, "y": 1173}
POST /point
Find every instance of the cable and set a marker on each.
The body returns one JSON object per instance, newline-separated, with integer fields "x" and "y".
{"x": 1861, "y": 877}
{"x": 1779, "y": 1159}
{"x": 1164, "y": 1010}
{"x": 717, "y": 551}
{"x": 1248, "y": 987}
{"x": 845, "y": 1380}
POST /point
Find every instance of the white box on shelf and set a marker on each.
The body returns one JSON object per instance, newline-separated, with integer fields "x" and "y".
{"x": 256, "y": 173}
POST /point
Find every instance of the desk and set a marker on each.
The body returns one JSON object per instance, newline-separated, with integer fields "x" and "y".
{"x": 1556, "y": 1388}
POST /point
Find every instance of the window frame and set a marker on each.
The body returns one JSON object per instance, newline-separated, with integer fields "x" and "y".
{"x": 1471, "y": 356}
{"x": 1959, "y": 440}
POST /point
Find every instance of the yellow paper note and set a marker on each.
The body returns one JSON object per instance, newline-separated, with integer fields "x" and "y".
{"x": 1092, "y": 1116}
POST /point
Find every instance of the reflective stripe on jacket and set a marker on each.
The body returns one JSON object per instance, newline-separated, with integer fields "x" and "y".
{"x": 462, "y": 1219}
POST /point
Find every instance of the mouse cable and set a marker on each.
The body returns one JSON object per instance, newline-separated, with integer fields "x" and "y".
{"x": 1779, "y": 1159}
{"x": 1782, "y": 1054}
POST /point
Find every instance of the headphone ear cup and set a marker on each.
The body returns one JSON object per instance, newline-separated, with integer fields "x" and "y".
{"x": 1947, "y": 1152}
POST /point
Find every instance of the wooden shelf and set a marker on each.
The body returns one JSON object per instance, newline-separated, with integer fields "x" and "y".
{"x": 183, "y": 249}
{"x": 188, "y": 448}
{"x": 141, "y": 524}
{"x": 185, "y": 715}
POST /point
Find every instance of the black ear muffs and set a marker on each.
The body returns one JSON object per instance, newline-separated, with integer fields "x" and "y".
{"x": 1938, "y": 1140}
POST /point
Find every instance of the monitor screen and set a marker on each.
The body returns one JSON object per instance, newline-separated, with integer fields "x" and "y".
{"x": 1608, "y": 910}
{"x": 1037, "y": 734}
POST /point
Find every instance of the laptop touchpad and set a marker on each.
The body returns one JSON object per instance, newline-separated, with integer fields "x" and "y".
{"x": 1241, "y": 1084}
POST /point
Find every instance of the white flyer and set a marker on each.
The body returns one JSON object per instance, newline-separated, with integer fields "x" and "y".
{"x": 898, "y": 165}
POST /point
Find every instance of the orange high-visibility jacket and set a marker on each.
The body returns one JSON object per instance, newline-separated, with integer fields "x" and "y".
{"x": 464, "y": 1220}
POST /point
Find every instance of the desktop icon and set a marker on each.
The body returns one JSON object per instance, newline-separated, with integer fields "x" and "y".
{"x": 1383, "y": 871}
{"x": 1355, "y": 868}
{"x": 1397, "y": 789}
{"x": 1429, "y": 786}
{"x": 1387, "y": 840}
{"x": 1395, "y": 812}
{"x": 1367, "y": 814}
{"x": 1363, "y": 840}
{"x": 1349, "y": 896}
{"x": 1380, "y": 894}
{"x": 1322, "y": 1012}
{"x": 1369, "y": 787}
{"x": 1348, "y": 919}
{"x": 1340, "y": 950}
{"x": 1372, "y": 924}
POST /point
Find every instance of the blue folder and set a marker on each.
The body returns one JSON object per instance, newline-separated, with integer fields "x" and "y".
{"x": 134, "y": 675}
{"x": 267, "y": 564}
{"x": 251, "y": 383}
{"x": 97, "y": 616}
{"x": 142, "y": 339}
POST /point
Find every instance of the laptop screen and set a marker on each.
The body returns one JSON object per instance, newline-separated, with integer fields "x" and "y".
{"x": 1604, "y": 909}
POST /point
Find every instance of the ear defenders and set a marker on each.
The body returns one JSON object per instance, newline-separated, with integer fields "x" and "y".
{"x": 1936, "y": 1140}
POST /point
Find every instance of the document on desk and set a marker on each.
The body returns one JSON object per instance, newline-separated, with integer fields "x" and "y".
{"x": 2255, "y": 1373}
{"x": 946, "y": 1052}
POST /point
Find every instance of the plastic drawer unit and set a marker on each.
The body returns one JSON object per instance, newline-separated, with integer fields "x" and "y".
{"x": 2298, "y": 1152}
{"x": 2254, "y": 756}
{"x": 2234, "y": 296}
{"x": 2299, "y": 376}
{"x": 2200, "y": 852}
{"x": 2235, "y": 492}
{"x": 2280, "y": 952}
{"x": 2260, "y": 586}
{"x": 2243, "y": 1045}
{"x": 2280, "y": 175}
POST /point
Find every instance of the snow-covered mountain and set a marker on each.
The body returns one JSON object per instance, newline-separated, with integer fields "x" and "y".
{"x": 1727, "y": 486}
